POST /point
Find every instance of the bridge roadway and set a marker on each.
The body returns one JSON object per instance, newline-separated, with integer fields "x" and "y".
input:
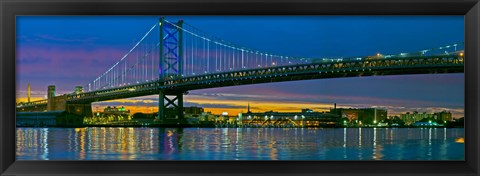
{"x": 320, "y": 70}
{"x": 375, "y": 67}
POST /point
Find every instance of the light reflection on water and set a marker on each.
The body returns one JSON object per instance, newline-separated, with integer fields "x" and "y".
{"x": 104, "y": 143}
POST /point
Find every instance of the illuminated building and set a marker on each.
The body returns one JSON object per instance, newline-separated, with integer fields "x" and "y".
{"x": 366, "y": 116}
{"x": 193, "y": 110}
{"x": 116, "y": 111}
{"x": 411, "y": 118}
{"x": 443, "y": 116}
{"x": 305, "y": 118}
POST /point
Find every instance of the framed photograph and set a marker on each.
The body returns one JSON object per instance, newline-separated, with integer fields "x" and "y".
{"x": 256, "y": 87}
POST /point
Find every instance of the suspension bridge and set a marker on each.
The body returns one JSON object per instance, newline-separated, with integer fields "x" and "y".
{"x": 172, "y": 58}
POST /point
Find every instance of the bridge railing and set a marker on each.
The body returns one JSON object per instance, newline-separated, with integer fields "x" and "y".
{"x": 356, "y": 65}
{"x": 451, "y": 61}
{"x": 454, "y": 48}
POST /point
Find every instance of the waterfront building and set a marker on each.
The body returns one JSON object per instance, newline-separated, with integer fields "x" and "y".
{"x": 116, "y": 111}
{"x": 305, "y": 118}
{"x": 365, "y": 116}
{"x": 193, "y": 110}
{"x": 197, "y": 115}
{"x": 443, "y": 116}
{"x": 412, "y": 118}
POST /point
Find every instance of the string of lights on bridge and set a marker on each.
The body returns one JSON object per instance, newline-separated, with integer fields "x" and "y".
{"x": 202, "y": 54}
{"x": 205, "y": 54}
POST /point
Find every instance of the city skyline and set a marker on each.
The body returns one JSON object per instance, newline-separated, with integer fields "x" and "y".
{"x": 100, "y": 47}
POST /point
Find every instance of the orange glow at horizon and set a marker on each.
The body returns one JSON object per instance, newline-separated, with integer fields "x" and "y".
{"x": 233, "y": 107}
{"x": 25, "y": 99}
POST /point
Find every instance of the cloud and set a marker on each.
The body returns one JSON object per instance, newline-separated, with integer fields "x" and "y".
{"x": 274, "y": 95}
{"x": 214, "y": 105}
{"x": 69, "y": 66}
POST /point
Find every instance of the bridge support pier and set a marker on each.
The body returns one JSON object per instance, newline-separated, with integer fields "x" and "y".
{"x": 170, "y": 108}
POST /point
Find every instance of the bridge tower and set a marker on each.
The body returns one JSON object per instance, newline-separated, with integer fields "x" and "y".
{"x": 51, "y": 98}
{"x": 170, "y": 106}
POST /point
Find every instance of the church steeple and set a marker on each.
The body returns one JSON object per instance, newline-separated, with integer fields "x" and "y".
{"x": 248, "y": 107}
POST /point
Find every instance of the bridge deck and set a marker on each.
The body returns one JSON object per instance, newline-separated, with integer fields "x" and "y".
{"x": 392, "y": 66}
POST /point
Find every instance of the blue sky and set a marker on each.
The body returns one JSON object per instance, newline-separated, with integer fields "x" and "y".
{"x": 73, "y": 50}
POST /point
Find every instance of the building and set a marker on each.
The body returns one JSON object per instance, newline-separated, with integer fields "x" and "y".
{"x": 411, "y": 118}
{"x": 305, "y": 118}
{"x": 193, "y": 110}
{"x": 443, "y": 116}
{"x": 372, "y": 115}
{"x": 365, "y": 116}
{"x": 116, "y": 111}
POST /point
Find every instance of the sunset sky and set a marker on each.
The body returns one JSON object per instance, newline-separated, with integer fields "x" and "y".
{"x": 74, "y": 50}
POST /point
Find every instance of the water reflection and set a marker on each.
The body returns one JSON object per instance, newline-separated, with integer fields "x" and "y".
{"x": 239, "y": 144}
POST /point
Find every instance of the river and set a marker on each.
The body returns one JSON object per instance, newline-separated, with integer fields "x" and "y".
{"x": 116, "y": 143}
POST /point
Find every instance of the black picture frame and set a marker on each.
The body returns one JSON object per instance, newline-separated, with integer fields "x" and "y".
{"x": 11, "y": 8}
